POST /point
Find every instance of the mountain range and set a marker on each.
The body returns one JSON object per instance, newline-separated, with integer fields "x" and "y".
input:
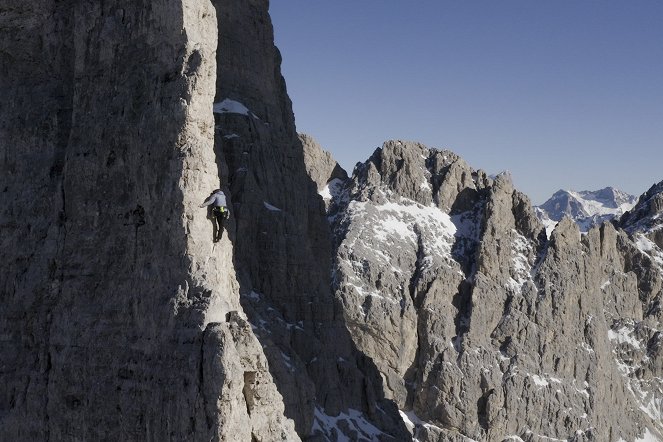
{"x": 415, "y": 298}
{"x": 587, "y": 208}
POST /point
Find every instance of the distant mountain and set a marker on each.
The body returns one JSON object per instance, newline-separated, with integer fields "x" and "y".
{"x": 586, "y": 208}
{"x": 482, "y": 328}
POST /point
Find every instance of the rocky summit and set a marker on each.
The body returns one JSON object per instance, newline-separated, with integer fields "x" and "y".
{"x": 481, "y": 326}
{"x": 586, "y": 208}
{"x": 417, "y": 299}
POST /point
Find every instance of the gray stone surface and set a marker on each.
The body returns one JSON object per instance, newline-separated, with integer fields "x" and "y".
{"x": 646, "y": 216}
{"x": 114, "y": 298}
{"x": 282, "y": 243}
{"x": 482, "y": 328}
{"x": 320, "y": 165}
{"x": 434, "y": 291}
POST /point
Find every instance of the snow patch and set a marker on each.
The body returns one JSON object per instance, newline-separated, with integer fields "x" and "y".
{"x": 426, "y": 186}
{"x": 648, "y": 437}
{"x": 549, "y": 225}
{"x": 391, "y": 222}
{"x": 270, "y": 207}
{"x": 332, "y": 189}
{"x": 538, "y": 380}
{"x": 374, "y": 294}
{"x": 412, "y": 421}
{"x": 287, "y": 362}
{"x": 644, "y": 244}
{"x": 653, "y": 408}
{"x": 229, "y": 106}
{"x": 543, "y": 438}
{"x": 521, "y": 266}
{"x": 649, "y": 248}
{"x": 623, "y": 336}
{"x": 355, "y": 421}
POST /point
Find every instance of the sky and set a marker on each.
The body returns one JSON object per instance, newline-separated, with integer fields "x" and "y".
{"x": 563, "y": 94}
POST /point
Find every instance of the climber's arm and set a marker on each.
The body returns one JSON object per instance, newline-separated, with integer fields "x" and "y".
{"x": 208, "y": 201}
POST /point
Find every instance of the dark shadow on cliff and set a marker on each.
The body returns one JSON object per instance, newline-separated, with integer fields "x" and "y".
{"x": 282, "y": 257}
{"x": 94, "y": 340}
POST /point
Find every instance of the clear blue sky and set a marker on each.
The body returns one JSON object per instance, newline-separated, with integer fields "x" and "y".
{"x": 563, "y": 94}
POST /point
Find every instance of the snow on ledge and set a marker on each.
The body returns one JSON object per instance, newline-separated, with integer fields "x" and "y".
{"x": 270, "y": 207}
{"x": 332, "y": 189}
{"x": 648, "y": 437}
{"x": 649, "y": 248}
{"x": 412, "y": 421}
{"x": 353, "y": 420}
{"x": 229, "y": 106}
{"x": 623, "y": 336}
{"x": 538, "y": 380}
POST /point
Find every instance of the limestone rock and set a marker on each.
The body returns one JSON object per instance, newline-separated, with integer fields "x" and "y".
{"x": 646, "y": 217}
{"x": 109, "y": 275}
{"x": 419, "y": 284}
{"x": 329, "y": 177}
{"x": 282, "y": 241}
{"x": 321, "y": 166}
{"x": 482, "y": 328}
{"x": 240, "y": 396}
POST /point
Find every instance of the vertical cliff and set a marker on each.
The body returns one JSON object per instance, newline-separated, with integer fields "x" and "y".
{"x": 122, "y": 319}
{"x": 116, "y": 318}
{"x": 282, "y": 240}
{"x": 484, "y": 329}
{"x": 437, "y": 291}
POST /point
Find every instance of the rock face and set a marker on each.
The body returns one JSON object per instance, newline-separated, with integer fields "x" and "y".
{"x": 426, "y": 286}
{"x": 644, "y": 224}
{"x": 328, "y": 176}
{"x": 121, "y": 319}
{"x": 482, "y": 328}
{"x": 115, "y": 318}
{"x": 282, "y": 243}
{"x": 321, "y": 166}
{"x": 586, "y": 208}
{"x": 646, "y": 218}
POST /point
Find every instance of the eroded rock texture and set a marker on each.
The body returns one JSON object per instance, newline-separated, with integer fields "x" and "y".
{"x": 436, "y": 292}
{"x": 482, "y": 328}
{"x": 115, "y": 317}
{"x": 283, "y": 245}
{"x": 320, "y": 164}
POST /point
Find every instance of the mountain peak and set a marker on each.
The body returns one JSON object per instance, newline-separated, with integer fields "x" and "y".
{"x": 320, "y": 164}
{"x": 586, "y": 207}
{"x": 647, "y": 215}
{"x": 425, "y": 175}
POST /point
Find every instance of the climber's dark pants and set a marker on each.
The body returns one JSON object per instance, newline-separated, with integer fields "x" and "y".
{"x": 220, "y": 215}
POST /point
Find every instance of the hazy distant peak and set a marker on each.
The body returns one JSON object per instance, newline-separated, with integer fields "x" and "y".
{"x": 586, "y": 207}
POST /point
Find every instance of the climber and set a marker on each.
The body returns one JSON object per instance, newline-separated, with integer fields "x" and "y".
{"x": 219, "y": 210}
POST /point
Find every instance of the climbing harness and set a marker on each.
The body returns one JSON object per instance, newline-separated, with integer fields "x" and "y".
{"x": 222, "y": 210}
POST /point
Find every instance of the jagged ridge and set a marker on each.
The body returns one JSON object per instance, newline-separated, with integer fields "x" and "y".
{"x": 586, "y": 208}
{"x": 478, "y": 323}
